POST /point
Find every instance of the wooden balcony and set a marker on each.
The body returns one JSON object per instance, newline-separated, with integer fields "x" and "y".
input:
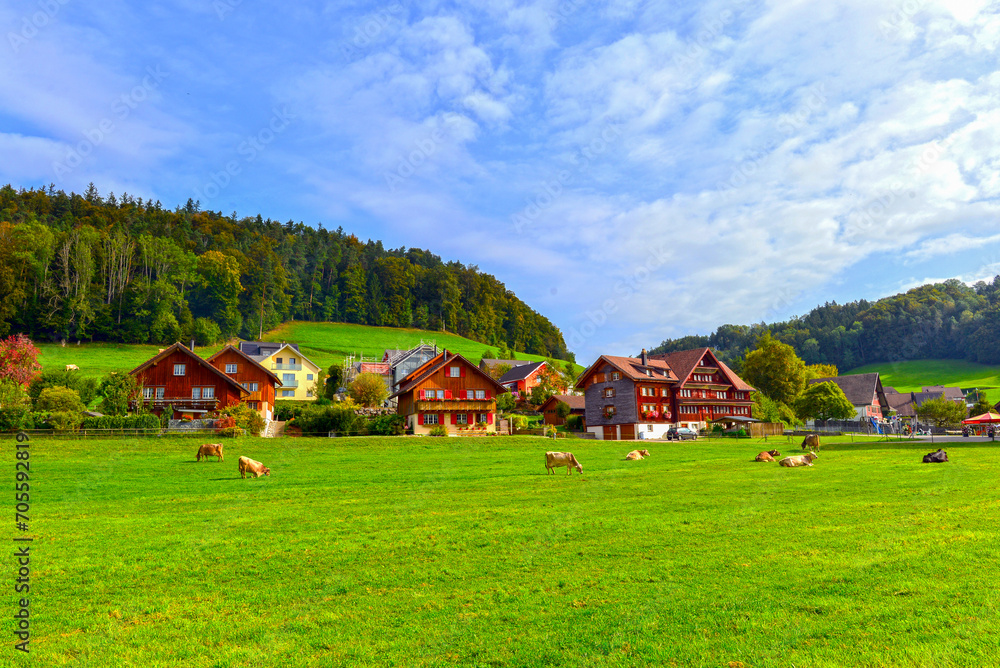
{"x": 457, "y": 405}
{"x": 177, "y": 402}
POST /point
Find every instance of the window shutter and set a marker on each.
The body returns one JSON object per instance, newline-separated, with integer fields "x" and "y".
{"x": 489, "y": 395}
{"x": 421, "y": 396}
{"x": 489, "y": 418}
{"x": 463, "y": 372}
{"x": 447, "y": 394}
{"x": 420, "y": 416}
{"x": 454, "y": 418}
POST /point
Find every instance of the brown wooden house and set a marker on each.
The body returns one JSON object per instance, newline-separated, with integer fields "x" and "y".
{"x": 179, "y": 378}
{"x": 450, "y": 391}
{"x": 706, "y": 388}
{"x": 577, "y": 406}
{"x": 249, "y": 373}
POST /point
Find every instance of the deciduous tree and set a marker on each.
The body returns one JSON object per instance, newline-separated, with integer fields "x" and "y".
{"x": 775, "y": 369}
{"x": 941, "y": 412}
{"x": 369, "y": 390}
{"x": 18, "y": 359}
{"x": 824, "y": 401}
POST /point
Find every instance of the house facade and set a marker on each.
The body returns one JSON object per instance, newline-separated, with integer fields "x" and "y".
{"x": 865, "y": 392}
{"x": 449, "y": 391}
{"x": 577, "y": 406}
{"x": 178, "y": 378}
{"x": 707, "y": 389}
{"x": 521, "y": 379}
{"x": 297, "y": 373}
{"x": 249, "y": 373}
{"x": 628, "y": 397}
{"x": 401, "y": 363}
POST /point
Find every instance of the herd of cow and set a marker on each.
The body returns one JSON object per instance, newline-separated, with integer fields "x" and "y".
{"x": 554, "y": 460}
{"x": 246, "y": 465}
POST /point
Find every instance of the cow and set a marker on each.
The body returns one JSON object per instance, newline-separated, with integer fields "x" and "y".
{"x": 248, "y": 465}
{"x": 636, "y": 454}
{"x": 939, "y": 457}
{"x": 210, "y": 450}
{"x": 72, "y": 367}
{"x": 811, "y": 441}
{"x": 801, "y": 460}
{"x": 556, "y": 459}
{"x": 767, "y": 456}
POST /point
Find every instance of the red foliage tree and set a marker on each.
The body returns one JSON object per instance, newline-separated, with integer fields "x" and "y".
{"x": 18, "y": 359}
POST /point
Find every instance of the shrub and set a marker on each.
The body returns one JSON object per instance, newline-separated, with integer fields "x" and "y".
{"x": 574, "y": 422}
{"x": 245, "y": 417}
{"x": 117, "y": 389}
{"x": 387, "y": 425}
{"x": 231, "y": 432}
{"x": 60, "y": 399}
{"x": 206, "y": 332}
{"x": 85, "y": 386}
{"x": 225, "y": 422}
{"x": 14, "y": 418}
{"x": 324, "y": 419}
{"x": 438, "y": 430}
{"x": 122, "y": 422}
{"x": 65, "y": 420}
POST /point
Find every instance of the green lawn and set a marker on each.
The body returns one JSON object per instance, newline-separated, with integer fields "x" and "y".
{"x": 442, "y": 552}
{"x": 324, "y": 343}
{"x": 910, "y": 376}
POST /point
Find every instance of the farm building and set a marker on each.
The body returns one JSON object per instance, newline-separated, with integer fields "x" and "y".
{"x": 248, "y": 372}
{"x": 180, "y": 379}
{"x": 865, "y": 392}
{"x": 577, "y": 406}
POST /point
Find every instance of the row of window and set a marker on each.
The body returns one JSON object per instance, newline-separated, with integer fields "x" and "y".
{"x": 196, "y": 392}
{"x": 651, "y": 392}
{"x": 447, "y": 394}
{"x": 729, "y": 410}
{"x": 456, "y": 418}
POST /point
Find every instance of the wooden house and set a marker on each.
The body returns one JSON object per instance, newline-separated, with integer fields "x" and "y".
{"x": 865, "y": 392}
{"x": 248, "y": 372}
{"x": 521, "y": 379}
{"x": 177, "y": 377}
{"x": 628, "y": 397}
{"x": 577, "y": 406}
{"x": 450, "y": 391}
{"x": 707, "y": 389}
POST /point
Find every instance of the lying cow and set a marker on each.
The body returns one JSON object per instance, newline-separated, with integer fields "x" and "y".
{"x": 210, "y": 450}
{"x": 636, "y": 454}
{"x": 767, "y": 456}
{"x": 72, "y": 367}
{"x": 811, "y": 441}
{"x": 556, "y": 459}
{"x": 248, "y": 465}
{"x": 801, "y": 460}
{"x": 939, "y": 457}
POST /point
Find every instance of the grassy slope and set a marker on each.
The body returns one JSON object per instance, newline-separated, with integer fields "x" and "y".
{"x": 910, "y": 376}
{"x": 323, "y": 343}
{"x": 463, "y": 552}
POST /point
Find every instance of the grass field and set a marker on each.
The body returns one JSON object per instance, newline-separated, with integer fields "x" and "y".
{"x": 910, "y": 376}
{"x": 324, "y": 343}
{"x": 440, "y": 552}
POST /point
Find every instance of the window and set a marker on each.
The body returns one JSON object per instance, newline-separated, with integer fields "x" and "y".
{"x": 288, "y": 393}
{"x": 309, "y": 393}
{"x": 208, "y": 393}
{"x": 287, "y": 378}
{"x": 430, "y": 418}
{"x": 609, "y": 391}
{"x": 277, "y": 360}
{"x": 309, "y": 376}
{"x": 609, "y": 411}
{"x": 161, "y": 392}
{"x": 470, "y": 394}
{"x": 685, "y": 393}
{"x": 179, "y": 369}
{"x": 664, "y": 392}
{"x": 616, "y": 375}
{"x": 291, "y": 360}
{"x": 649, "y": 427}
{"x": 196, "y": 393}
{"x": 230, "y": 368}
{"x": 252, "y": 405}
{"x": 147, "y": 392}
{"x": 253, "y": 387}
{"x": 454, "y": 371}
{"x": 480, "y": 394}
{"x": 440, "y": 394}
{"x": 462, "y": 418}
{"x": 482, "y": 417}
{"x": 649, "y": 372}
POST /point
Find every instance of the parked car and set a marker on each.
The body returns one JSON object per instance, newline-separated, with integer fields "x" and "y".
{"x": 681, "y": 434}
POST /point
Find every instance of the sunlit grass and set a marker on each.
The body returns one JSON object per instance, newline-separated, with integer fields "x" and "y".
{"x": 910, "y": 376}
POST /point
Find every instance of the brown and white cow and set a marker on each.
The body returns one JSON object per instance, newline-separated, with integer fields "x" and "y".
{"x": 257, "y": 469}
{"x": 210, "y": 450}
{"x": 811, "y": 441}
{"x": 636, "y": 455}
{"x": 801, "y": 460}
{"x": 556, "y": 459}
{"x": 767, "y": 456}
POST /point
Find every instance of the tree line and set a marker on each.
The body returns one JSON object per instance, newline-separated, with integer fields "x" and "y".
{"x": 120, "y": 269}
{"x": 948, "y": 320}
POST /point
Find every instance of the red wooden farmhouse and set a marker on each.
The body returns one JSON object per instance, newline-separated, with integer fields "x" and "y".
{"x": 706, "y": 388}
{"x": 179, "y": 378}
{"x": 249, "y": 373}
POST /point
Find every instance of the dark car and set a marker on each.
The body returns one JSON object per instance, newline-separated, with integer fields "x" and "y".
{"x": 681, "y": 434}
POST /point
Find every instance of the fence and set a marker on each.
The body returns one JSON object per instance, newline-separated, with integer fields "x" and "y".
{"x": 762, "y": 429}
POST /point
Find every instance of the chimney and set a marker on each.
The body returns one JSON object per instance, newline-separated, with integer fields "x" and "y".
{"x": 191, "y": 347}
{"x": 645, "y": 357}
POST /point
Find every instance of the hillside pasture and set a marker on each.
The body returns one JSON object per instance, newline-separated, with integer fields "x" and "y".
{"x": 910, "y": 376}
{"x": 439, "y": 552}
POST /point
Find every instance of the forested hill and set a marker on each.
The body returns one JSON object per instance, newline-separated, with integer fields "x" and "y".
{"x": 943, "y": 320}
{"x": 85, "y": 267}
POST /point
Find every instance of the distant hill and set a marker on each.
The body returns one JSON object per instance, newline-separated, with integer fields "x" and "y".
{"x": 123, "y": 270}
{"x": 949, "y": 320}
{"x": 910, "y": 376}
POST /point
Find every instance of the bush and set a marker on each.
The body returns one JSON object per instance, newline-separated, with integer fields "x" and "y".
{"x": 321, "y": 420}
{"x": 574, "y": 423}
{"x": 117, "y": 389}
{"x": 65, "y": 420}
{"x": 284, "y": 412}
{"x": 60, "y": 399}
{"x": 231, "y": 432}
{"x": 206, "y": 332}
{"x": 244, "y": 417}
{"x": 14, "y": 418}
{"x": 439, "y": 430}
{"x": 387, "y": 425}
{"x": 86, "y": 387}
{"x": 145, "y": 421}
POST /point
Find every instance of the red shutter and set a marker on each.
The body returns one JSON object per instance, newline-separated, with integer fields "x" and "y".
{"x": 489, "y": 418}
{"x": 447, "y": 394}
{"x": 454, "y": 418}
{"x": 421, "y": 396}
{"x": 463, "y": 372}
{"x": 489, "y": 395}
{"x": 420, "y": 416}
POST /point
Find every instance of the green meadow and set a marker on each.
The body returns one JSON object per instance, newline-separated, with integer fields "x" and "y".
{"x": 403, "y": 551}
{"x": 910, "y": 376}
{"x": 325, "y": 343}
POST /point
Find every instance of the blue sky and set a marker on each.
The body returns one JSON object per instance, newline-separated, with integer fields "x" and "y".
{"x": 632, "y": 170}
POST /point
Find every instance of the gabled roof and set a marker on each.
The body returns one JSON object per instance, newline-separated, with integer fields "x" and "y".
{"x": 260, "y": 348}
{"x": 950, "y": 393}
{"x": 685, "y": 362}
{"x": 431, "y": 366}
{"x": 248, "y": 359}
{"x": 394, "y": 357}
{"x": 271, "y": 352}
{"x": 490, "y": 363}
{"x": 576, "y": 402}
{"x": 901, "y": 402}
{"x": 521, "y": 372}
{"x": 178, "y": 347}
{"x": 859, "y": 388}
{"x": 633, "y": 369}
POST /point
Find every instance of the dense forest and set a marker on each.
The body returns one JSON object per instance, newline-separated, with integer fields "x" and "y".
{"x": 943, "y": 320}
{"x": 92, "y": 268}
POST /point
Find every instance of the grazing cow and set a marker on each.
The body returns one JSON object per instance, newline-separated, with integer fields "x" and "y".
{"x": 767, "y": 456}
{"x": 636, "y": 454}
{"x": 811, "y": 441}
{"x": 801, "y": 460}
{"x": 939, "y": 457}
{"x": 72, "y": 367}
{"x": 556, "y": 459}
{"x": 210, "y": 450}
{"x": 248, "y": 465}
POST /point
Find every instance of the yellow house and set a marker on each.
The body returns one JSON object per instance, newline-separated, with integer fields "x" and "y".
{"x": 297, "y": 373}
